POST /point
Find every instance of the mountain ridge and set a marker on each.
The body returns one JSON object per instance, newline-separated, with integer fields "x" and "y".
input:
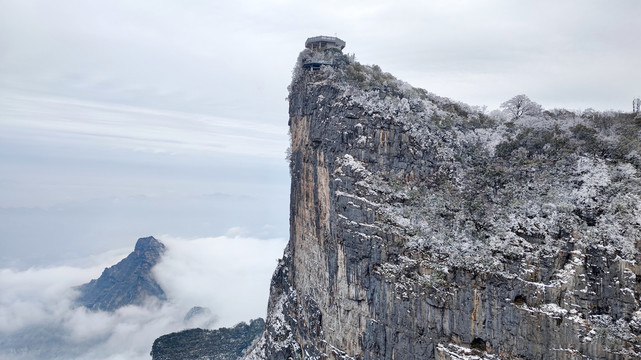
{"x": 218, "y": 344}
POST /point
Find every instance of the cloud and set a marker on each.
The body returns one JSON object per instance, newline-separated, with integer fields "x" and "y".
{"x": 227, "y": 275}
{"x": 106, "y": 125}
{"x": 63, "y": 232}
{"x": 189, "y": 57}
{"x": 80, "y": 176}
{"x": 236, "y": 57}
{"x": 195, "y": 271}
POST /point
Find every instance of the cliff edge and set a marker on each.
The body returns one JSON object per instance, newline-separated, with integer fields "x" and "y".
{"x": 422, "y": 228}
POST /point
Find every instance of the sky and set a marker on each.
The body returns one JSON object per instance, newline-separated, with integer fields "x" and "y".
{"x": 123, "y": 119}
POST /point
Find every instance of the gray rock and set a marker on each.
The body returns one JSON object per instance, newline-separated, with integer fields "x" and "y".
{"x": 130, "y": 282}
{"x": 421, "y": 228}
{"x": 197, "y": 344}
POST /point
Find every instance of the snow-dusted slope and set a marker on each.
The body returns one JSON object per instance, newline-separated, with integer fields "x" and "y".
{"x": 422, "y": 228}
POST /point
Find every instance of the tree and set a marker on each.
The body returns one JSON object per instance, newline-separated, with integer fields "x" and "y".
{"x": 521, "y": 105}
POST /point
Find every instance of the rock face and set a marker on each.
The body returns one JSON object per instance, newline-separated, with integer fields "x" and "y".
{"x": 196, "y": 344}
{"x": 422, "y": 228}
{"x": 129, "y": 282}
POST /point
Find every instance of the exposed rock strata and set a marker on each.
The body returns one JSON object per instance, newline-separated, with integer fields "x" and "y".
{"x": 422, "y": 228}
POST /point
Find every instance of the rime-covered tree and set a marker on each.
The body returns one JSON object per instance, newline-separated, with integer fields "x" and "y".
{"x": 521, "y": 105}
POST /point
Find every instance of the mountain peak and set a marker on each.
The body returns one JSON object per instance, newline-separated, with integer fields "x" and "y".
{"x": 149, "y": 244}
{"x": 129, "y": 282}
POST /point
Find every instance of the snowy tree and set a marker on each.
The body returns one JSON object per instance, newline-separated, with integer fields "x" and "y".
{"x": 521, "y": 105}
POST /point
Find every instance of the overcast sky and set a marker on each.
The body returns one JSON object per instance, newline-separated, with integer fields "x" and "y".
{"x": 233, "y": 58}
{"x": 127, "y": 118}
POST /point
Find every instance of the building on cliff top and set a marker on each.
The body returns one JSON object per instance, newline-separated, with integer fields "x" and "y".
{"x": 324, "y": 42}
{"x": 321, "y": 43}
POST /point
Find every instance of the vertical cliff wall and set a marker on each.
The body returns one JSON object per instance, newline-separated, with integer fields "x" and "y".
{"x": 422, "y": 228}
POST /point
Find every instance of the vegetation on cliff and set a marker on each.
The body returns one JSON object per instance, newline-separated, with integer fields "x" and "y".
{"x": 197, "y": 344}
{"x": 437, "y": 227}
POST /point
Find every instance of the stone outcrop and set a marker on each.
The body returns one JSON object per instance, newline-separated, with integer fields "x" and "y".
{"x": 422, "y": 228}
{"x": 130, "y": 282}
{"x": 197, "y": 344}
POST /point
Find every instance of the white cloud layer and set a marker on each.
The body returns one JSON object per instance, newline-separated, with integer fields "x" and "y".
{"x": 28, "y": 117}
{"x": 228, "y": 275}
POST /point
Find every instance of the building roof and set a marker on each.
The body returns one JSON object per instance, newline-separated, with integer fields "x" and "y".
{"x": 327, "y": 39}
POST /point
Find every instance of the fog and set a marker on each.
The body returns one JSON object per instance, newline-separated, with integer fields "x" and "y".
{"x": 229, "y": 275}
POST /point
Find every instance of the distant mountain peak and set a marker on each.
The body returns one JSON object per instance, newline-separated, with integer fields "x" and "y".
{"x": 129, "y": 282}
{"x": 149, "y": 245}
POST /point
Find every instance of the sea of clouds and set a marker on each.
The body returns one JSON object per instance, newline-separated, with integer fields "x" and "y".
{"x": 85, "y": 176}
{"x": 229, "y": 275}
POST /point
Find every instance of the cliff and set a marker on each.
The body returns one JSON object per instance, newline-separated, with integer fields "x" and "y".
{"x": 130, "y": 282}
{"x": 421, "y": 228}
